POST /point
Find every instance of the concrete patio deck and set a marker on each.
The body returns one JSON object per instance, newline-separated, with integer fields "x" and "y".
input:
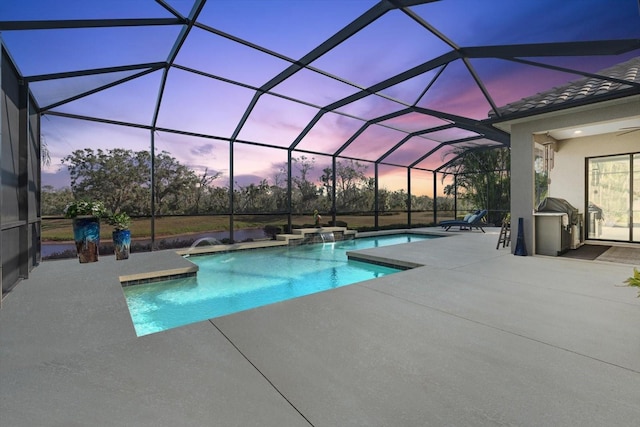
{"x": 474, "y": 337}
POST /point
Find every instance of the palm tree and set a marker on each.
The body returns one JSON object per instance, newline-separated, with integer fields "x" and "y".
{"x": 485, "y": 177}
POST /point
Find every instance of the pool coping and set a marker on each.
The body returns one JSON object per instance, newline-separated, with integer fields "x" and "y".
{"x": 382, "y": 260}
{"x": 230, "y": 247}
{"x": 158, "y": 276}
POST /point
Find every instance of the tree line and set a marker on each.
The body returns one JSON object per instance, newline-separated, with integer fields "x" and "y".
{"x": 121, "y": 178}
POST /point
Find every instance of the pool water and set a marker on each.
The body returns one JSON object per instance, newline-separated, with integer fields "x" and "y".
{"x": 235, "y": 281}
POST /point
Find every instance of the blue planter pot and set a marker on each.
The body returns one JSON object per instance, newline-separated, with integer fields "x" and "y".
{"x": 86, "y": 233}
{"x": 121, "y": 243}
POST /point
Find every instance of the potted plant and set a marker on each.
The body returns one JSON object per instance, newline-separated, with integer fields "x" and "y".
{"x": 86, "y": 216}
{"x": 121, "y": 234}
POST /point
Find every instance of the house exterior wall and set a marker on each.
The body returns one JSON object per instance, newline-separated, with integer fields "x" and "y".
{"x": 522, "y": 185}
{"x": 568, "y": 175}
{"x": 567, "y": 184}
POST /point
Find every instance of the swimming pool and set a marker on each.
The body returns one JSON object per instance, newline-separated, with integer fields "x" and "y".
{"x": 235, "y": 281}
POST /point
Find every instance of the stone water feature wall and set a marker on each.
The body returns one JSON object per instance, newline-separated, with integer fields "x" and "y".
{"x": 303, "y": 236}
{"x": 317, "y": 236}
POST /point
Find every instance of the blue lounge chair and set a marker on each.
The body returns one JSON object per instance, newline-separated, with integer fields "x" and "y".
{"x": 469, "y": 222}
{"x": 466, "y": 218}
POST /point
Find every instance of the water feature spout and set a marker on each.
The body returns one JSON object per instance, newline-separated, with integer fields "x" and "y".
{"x": 327, "y": 236}
{"x": 211, "y": 241}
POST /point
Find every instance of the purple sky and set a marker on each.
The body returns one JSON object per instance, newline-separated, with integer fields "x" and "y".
{"x": 199, "y": 104}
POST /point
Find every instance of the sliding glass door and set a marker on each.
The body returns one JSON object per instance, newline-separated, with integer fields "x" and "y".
{"x": 613, "y": 200}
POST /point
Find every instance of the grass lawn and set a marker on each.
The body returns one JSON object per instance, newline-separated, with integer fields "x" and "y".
{"x": 61, "y": 229}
